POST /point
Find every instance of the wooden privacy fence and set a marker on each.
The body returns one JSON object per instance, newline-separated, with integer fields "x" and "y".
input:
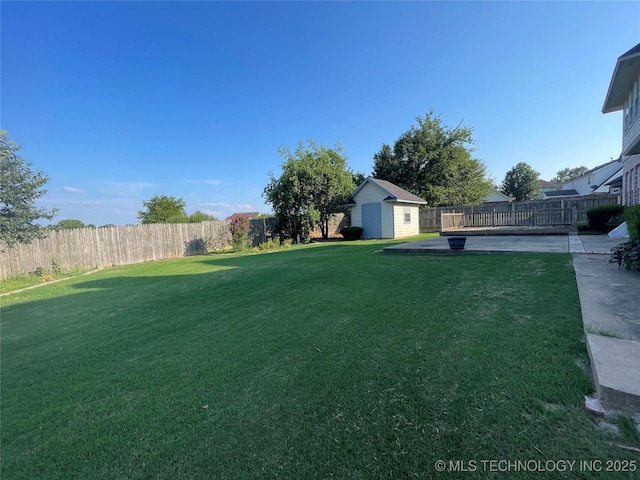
{"x": 451, "y": 221}
{"x": 520, "y": 218}
{"x": 430, "y": 217}
{"x": 88, "y": 248}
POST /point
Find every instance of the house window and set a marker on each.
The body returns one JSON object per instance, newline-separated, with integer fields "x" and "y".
{"x": 632, "y": 106}
{"x": 407, "y": 214}
{"x": 637, "y": 99}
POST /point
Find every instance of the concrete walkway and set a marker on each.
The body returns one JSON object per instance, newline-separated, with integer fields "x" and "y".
{"x": 609, "y": 299}
{"x": 610, "y": 302}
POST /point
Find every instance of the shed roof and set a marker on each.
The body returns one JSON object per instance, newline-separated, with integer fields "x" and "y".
{"x": 394, "y": 192}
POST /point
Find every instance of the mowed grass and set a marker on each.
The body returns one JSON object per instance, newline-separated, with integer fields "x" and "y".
{"x": 325, "y": 361}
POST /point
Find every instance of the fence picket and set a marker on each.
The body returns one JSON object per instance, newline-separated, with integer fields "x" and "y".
{"x": 88, "y": 248}
{"x": 430, "y": 218}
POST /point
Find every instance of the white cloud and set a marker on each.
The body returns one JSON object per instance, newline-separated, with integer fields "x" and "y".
{"x": 214, "y": 213}
{"x": 205, "y": 182}
{"x": 223, "y": 205}
{"x": 73, "y": 190}
{"x": 245, "y": 206}
{"x": 127, "y": 189}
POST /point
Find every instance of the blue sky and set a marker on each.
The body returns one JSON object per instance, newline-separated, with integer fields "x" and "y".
{"x": 120, "y": 101}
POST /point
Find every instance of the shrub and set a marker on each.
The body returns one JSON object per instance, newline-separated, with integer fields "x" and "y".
{"x": 599, "y": 216}
{"x": 287, "y": 242}
{"x": 627, "y": 254}
{"x": 239, "y": 227}
{"x": 55, "y": 266}
{"x": 632, "y": 217}
{"x": 616, "y": 221}
{"x": 271, "y": 244}
{"x": 351, "y": 233}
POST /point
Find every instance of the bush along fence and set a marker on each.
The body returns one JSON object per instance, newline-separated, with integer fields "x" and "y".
{"x": 557, "y": 211}
{"x": 89, "y": 248}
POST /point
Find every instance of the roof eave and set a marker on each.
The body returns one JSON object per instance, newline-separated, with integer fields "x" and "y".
{"x": 396, "y": 200}
{"x": 622, "y": 80}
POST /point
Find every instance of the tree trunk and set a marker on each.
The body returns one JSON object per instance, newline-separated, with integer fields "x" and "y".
{"x": 324, "y": 228}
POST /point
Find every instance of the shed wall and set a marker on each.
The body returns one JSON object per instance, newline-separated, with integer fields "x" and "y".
{"x": 402, "y": 229}
{"x": 369, "y": 194}
{"x": 387, "y": 220}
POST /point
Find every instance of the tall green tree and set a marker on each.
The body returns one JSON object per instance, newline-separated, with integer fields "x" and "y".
{"x": 69, "y": 224}
{"x": 521, "y": 182}
{"x": 195, "y": 217}
{"x": 20, "y": 186}
{"x": 435, "y": 162}
{"x": 358, "y": 178}
{"x": 198, "y": 216}
{"x": 314, "y": 184}
{"x": 162, "y": 209}
{"x": 567, "y": 174}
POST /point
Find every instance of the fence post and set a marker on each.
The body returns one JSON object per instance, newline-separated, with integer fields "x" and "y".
{"x": 534, "y": 216}
{"x": 264, "y": 230}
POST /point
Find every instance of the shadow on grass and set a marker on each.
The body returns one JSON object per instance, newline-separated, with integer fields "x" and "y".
{"x": 328, "y": 359}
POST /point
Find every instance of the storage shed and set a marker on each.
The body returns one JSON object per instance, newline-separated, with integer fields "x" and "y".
{"x": 384, "y": 210}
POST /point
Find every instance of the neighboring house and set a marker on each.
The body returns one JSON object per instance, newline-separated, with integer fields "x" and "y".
{"x": 384, "y": 210}
{"x": 496, "y": 197}
{"x": 560, "y": 194}
{"x": 624, "y": 94}
{"x": 607, "y": 187}
{"x": 249, "y": 215}
{"x": 615, "y": 185}
{"x": 549, "y": 186}
{"x": 593, "y": 181}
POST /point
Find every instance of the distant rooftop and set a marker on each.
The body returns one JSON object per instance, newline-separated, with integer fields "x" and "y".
{"x": 546, "y": 184}
{"x": 562, "y": 193}
{"x": 250, "y": 215}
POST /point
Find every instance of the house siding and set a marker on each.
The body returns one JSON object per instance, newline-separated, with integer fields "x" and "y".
{"x": 369, "y": 194}
{"x": 631, "y": 137}
{"x": 402, "y": 229}
{"x": 584, "y": 183}
{"x": 387, "y": 220}
{"x": 631, "y": 180}
{"x": 356, "y": 216}
{"x": 631, "y": 119}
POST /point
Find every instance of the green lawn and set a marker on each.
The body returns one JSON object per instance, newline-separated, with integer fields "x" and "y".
{"x": 324, "y": 361}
